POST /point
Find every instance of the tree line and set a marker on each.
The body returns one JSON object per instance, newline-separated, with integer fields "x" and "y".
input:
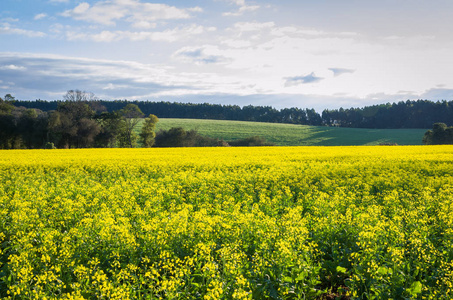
{"x": 77, "y": 122}
{"x": 409, "y": 114}
{"x": 197, "y": 111}
{"x": 404, "y": 114}
{"x": 81, "y": 121}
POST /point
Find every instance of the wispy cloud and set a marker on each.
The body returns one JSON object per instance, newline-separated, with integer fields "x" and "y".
{"x": 438, "y": 93}
{"x": 252, "y": 26}
{"x": 12, "y": 67}
{"x": 243, "y": 8}
{"x": 131, "y": 11}
{"x": 49, "y": 74}
{"x": 40, "y": 16}
{"x": 7, "y": 29}
{"x": 296, "y": 80}
{"x": 200, "y": 55}
{"x": 169, "y": 35}
{"x": 340, "y": 71}
{"x": 10, "y": 20}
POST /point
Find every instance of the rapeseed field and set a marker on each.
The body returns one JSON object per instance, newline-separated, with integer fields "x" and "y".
{"x": 227, "y": 223}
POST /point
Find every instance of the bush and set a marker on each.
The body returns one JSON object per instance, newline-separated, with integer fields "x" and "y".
{"x": 439, "y": 135}
{"x": 179, "y": 137}
{"x": 50, "y": 146}
{"x": 251, "y": 141}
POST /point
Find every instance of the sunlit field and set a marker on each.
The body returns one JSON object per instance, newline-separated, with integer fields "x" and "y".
{"x": 295, "y": 135}
{"x": 370, "y": 222}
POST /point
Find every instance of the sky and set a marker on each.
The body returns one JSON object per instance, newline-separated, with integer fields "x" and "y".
{"x": 321, "y": 54}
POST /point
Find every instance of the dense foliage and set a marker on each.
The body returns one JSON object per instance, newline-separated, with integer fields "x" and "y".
{"x": 439, "y": 135}
{"x": 80, "y": 122}
{"x": 408, "y": 114}
{"x": 227, "y": 223}
{"x": 77, "y": 122}
{"x": 179, "y": 137}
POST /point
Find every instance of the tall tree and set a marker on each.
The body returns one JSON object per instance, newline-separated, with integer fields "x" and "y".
{"x": 148, "y": 134}
{"x": 73, "y": 124}
{"x": 111, "y": 126}
{"x": 78, "y": 95}
{"x": 32, "y": 127}
{"x": 131, "y": 117}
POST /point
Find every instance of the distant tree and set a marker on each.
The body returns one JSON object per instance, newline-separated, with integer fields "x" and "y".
{"x": 404, "y": 114}
{"x": 87, "y": 131}
{"x": 73, "y": 124}
{"x": 111, "y": 127}
{"x": 6, "y": 107}
{"x": 148, "y": 134}
{"x": 97, "y": 106}
{"x": 78, "y": 95}
{"x": 32, "y": 127}
{"x": 9, "y": 97}
{"x": 439, "y": 135}
{"x": 7, "y": 128}
{"x": 131, "y": 115}
{"x": 250, "y": 141}
{"x": 21, "y": 127}
{"x": 313, "y": 118}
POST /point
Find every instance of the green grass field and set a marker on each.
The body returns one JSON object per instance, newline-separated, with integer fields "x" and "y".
{"x": 296, "y": 135}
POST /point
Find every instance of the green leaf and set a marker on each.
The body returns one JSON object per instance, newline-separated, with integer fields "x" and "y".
{"x": 287, "y": 279}
{"x": 341, "y": 270}
{"x": 383, "y": 270}
{"x": 301, "y": 276}
{"x": 415, "y": 288}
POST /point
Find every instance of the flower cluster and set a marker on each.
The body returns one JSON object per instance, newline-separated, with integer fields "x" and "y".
{"x": 227, "y": 223}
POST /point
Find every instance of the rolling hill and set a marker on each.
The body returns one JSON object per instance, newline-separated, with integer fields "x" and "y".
{"x": 296, "y": 135}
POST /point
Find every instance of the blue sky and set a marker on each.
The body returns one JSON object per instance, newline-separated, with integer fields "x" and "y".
{"x": 309, "y": 54}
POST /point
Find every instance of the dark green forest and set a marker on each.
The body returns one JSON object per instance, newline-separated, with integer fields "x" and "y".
{"x": 81, "y": 120}
{"x": 404, "y": 114}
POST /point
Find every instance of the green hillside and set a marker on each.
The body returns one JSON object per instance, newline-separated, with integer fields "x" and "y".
{"x": 296, "y": 135}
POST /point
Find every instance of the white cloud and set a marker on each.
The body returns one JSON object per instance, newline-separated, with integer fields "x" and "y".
{"x": 195, "y": 9}
{"x": 10, "y": 20}
{"x": 238, "y": 2}
{"x": 243, "y": 8}
{"x": 53, "y": 74}
{"x": 40, "y": 16}
{"x": 132, "y": 11}
{"x": 252, "y": 26}
{"x": 169, "y": 35}
{"x": 105, "y": 36}
{"x": 144, "y": 25}
{"x": 340, "y": 71}
{"x": 7, "y": 29}
{"x": 237, "y": 43}
{"x": 12, "y": 67}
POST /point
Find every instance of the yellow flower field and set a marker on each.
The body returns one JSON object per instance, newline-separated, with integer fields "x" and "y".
{"x": 227, "y": 223}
